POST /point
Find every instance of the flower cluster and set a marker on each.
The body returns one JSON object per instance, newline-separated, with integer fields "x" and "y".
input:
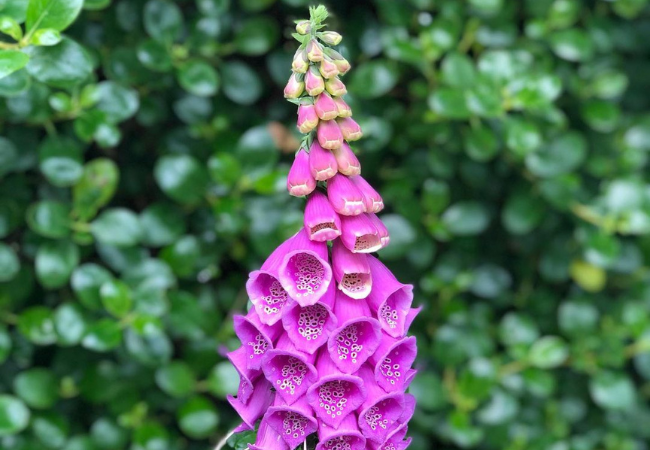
{"x": 324, "y": 347}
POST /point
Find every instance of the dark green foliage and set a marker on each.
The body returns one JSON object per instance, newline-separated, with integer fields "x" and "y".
{"x": 143, "y": 157}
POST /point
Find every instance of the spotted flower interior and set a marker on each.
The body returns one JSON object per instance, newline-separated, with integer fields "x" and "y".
{"x": 324, "y": 347}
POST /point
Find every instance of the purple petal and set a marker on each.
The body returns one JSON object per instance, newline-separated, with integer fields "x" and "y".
{"x": 294, "y": 423}
{"x": 359, "y": 234}
{"x": 267, "y": 295}
{"x": 345, "y": 197}
{"x": 392, "y": 361}
{"x": 290, "y": 373}
{"x": 380, "y": 413}
{"x": 371, "y": 198}
{"x": 351, "y": 271}
{"x": 409, "y": 408}
{"x": 259, "y": 401}
{"x": 382, "y": 231}
{"x": 308, "y": 327}
{"x": 300, "y": 181}
{"x": 390, "y": 299}
{"x": 322, "y": 223}
{"x": 239, "y": 359}
{"x": 344, "y": 437}
{"x": 322, "y": 163}
{"x": 268, "y": 439}
{"x": 256, "y": 337}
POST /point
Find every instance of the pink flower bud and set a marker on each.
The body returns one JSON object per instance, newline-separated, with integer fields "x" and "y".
{"x": 371, "y": 197}
{"x": 329, "y": 134}
{"x": 342, "y": 65}
{"x": 330, "y": 37}
{"x": 294, "y": 87}
{"x": 382, "y": 231}
{"x": 314, "y": 84}
{"x": 350, "y": 129}
{"x": 325, "y": 106}
{"x": 303, "y": 27}
{"x": 342, "y": 107}
{"x": 345, "y": 197}
{"x": 335, "y": 87}
{"x": 346, "y": 160}
{"x": 300, "y": 63}
{"x": 300, "y": 181}
{"x": 314, "y": 51}
{"x": 322, "y": 163}
{"x": 307, "y": 118}
{"x": 327, "y": 68}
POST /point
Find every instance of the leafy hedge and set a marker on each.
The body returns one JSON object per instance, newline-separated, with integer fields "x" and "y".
{"x": 142, "y": 166}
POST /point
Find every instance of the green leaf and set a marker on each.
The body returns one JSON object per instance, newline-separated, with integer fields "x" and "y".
{"x": 480, "y": 143}
{"x": 117, "y": 102}
{"x": 522, "y": 213}
{"x": 86, "y": 282}
{"x": 176, "y": 379}
{"x": 10, "y": 27}
{"x": 11, "y": 61}
{"x": 116, "y": 298}
{"x": 154, "y": 56}
{"x": 54, "y": 14}
{"x": 14, "y": 415}
{"x": 15, "y": 84}
{"x": 162, "y": 223}
{"x": 548, "y": 352}
{"x": 222, "y": 380}
{"x": 64, "y": 65}
{"x": 163, "y": 20}
{"x": 458, "y": 70}
{"x": 9, "y": 263}
{"x": 522, "y": 137}
{"x": 46, "y": 37}
{"x": 577, "y": 317}
{"x": 60, "y": 160}
{"x": 117, "y": 226}
{"x": 181, "y": 177}
{"x": 198, "y": 418}
{"x": 518, "y": 329}
{"x": 612, "y": 390}
{"x": 50, "y": 429}
{"x": 373, "y": 79}
{"x": 55, "y": 262}
{"x": 198, "y": 78}
{"x": 466, "y": 218}
{"x": 95, "y": 188}
{"x": 561, "y": 155}
{"x": 102, "y": 336}
{"x": 450, "y": 103}
{"x": 36, "y": 324}
{"x": 37, "y": 387}
{"x": 572, "y": 45}
{"x": 70, "y": 324}
{"x": 256, "y": 36}
{"x": 241, "y": 84}
{"x": 490, "y": 281}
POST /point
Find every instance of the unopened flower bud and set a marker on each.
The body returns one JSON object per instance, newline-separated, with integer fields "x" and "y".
{"x": 322, "y": 163}
{"x": 327, "y": 68}
{"x": 350, "y": 129}
{"x": 314, "y": 51}
{"x": 300, "y": 181}
{"x": 346, "y": 160}
{"x": 335, "y": 87}
{"x": 314, "y": 83}
{"x": 329, "y": 134}
{"x": 325, "y": 107}
{"x": 303, "y": 27}
{"x": 294, "y": 87}
{"x": 330, "y": 37}
{"x": 342, "y": 64}
{"x": 307, "y": 118}
{"x": 300, "y": 63}
{"x": 343, "y": 108}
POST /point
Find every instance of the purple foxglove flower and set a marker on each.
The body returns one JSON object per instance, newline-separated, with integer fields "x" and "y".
{"x": 392, "y": 361}
{"x": 314, "y": 83}
{"x": 409, "y": 408}
{"x": 394, "y": 441}
{"x": 329, "y": 134}
{"x": 292, "y": 422}
{"x": 322, "y": 163}
{"x": 345, "y": 197}
{"x": 335, "y": 395}
{"x": 335, "y": 87}
{"x": 321, "y": 221}
{"x": 289, "y": 371}
{"x": 349, "y": 128}
{"x": 307, "y": 118}
{"x": 260, "y": 399}
{"x": 351, "y": 271}
{"x": 381, "y": 412}
{"x": 300, "y": 63}
{"x": 346, "y": 160}
{"x": 371, "y": 198}
{"x": 343, "y": 108}
{"x": 268, "y": 439}
{"x": 314, "y": 51}
{"x": 303, "y": 27}
{"x": 305, "y": 273}
{"x": 382, "y": 231}
{"x": 309, "y": 327}
{"x": 239, "y": 359}
{"x": 300, "y": 181}
{"x": 344, "y": 437}
{"x": 256, "y": 337}
{"x": 359, "y": 234}
{"x": 327, "y": 68}
{"x": 330, "y": 37}
{"x": 295, "y": 86}
{"x": 325, "y": 107}
{"x": 390, "y": 299}
{"x": 357, "y": 336}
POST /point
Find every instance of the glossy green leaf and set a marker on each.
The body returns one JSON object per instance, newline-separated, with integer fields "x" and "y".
{"x": 11, "y": 61}
{"x": 54, "y": 14}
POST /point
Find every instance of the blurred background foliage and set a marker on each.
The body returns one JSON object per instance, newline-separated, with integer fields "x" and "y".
{"x": 142, "y": 168}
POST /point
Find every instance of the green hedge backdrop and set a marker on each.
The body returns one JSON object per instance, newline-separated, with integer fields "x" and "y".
{"x": 143, "y": 157}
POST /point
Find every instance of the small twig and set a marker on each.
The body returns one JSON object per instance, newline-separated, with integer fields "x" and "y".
{"x": 224, "y": 440}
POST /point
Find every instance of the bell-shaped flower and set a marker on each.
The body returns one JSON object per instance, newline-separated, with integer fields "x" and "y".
{"x": 300, "y": 180}
{"x": 314, "y": 83}
{"x": 305, "y": 272}
{"x": 359, "y": 234}
{"x": 321, "y": 222}
{"x": 314, "y": 51}
{"x": 256, "y": 337}
{"x": 289, "y": 371}
{"x": 335, "y": 395}
{"x": 344, "y": 437}
{"x": 292, "y": 422}
{"x": 309, "y": 327}
{"x": 349, "y": 128}
{"x": 325, "y": 107}
{"x": 327, "y": 68}
{"x": 409, "y": 408}
{"x": 381, "y": 412}
{"x": 351, "y": 271}
{"x": 259, "y": 401}
{"x": 300, "y": 64}
{"x": 345, "y": 197}
{"x": 382, "y": 231}
{"x": 343, "y": 108}
{"x": 322, "y": 163}
{"x": 394, "y": 441}
{"x": 335, "y": 87}
{"x": 329, "y": 135}
{"x": 389, "y": 299}
{"x": 371, "y": 197}
{"x": 295, "y": 86}
{"x": 307, "y": 118}
{"x": 392, "y": 362}
{"x": 357, "y": 336}
{"x": 346, "y": 160}
{"x": 239, "y": 359}
{"x": 268, "y": 439}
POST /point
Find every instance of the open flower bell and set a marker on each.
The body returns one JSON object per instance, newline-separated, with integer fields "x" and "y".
{"x": 324, "y": 347}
